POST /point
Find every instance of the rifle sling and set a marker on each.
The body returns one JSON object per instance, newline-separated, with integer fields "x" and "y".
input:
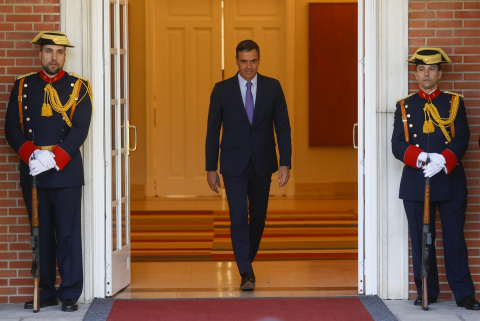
{"x": 404, "y": 120}
{"x": 20, "y": 105}
{"x": 75, "y": 103}
{"x": 452, "y": 127}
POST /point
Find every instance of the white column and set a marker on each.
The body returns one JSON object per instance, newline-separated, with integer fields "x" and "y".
{"x": 393, "y": 85}
{"x": 386, "y": 80}
{"x": 82, "y": 21}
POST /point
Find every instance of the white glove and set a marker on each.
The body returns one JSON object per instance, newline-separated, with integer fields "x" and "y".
{"x": 45, "y": 157}
{"x": 437, "y": 159}
{"x": 431, "y": 169}
{"x": 36, "y": 167}
{"x": 422, "y": 158}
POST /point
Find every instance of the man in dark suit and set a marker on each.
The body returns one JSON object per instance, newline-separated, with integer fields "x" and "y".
{"x": 252, "y": 109}
{"x": 432, "y": 125}
{"x": 47, "y": 121}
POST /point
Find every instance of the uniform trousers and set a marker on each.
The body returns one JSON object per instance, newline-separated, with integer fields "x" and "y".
{"x": 452, "y": 216}
{"x": 59, "y": 213}
{"x": 247, "y": 196}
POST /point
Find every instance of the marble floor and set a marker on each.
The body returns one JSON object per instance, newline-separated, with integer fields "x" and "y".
{"x": 209, "y": 279}
{"x": 214, "y": 279}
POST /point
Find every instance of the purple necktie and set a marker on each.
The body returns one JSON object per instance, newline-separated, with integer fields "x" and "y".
{"x": 249, "y": 102}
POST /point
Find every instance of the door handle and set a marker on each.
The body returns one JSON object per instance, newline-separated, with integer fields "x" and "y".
{"x": 354, "y": 141}
{"x": 134, "y": 147}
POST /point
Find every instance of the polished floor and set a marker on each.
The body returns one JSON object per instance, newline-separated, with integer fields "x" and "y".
{"x": 207, "y": 279}
{"x": 215, "y": 279}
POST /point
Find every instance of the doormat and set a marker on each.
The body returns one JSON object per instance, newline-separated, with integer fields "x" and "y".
{"x": 361, "y": 308}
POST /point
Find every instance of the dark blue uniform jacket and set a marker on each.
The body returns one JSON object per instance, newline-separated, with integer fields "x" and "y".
{"x": 49, "y": 130}
{"x": 443, "y": 186}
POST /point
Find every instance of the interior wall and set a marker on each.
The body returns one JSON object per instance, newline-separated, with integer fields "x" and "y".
{"x": 317, "y": 169}
{"x": 136, "y": 29}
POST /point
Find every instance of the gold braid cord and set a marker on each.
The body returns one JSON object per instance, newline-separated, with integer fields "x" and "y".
{"x": 432, "y": 117}
{"x": 53, "y": 101}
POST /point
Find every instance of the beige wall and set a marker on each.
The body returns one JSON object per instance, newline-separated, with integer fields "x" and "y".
{"x": 314, "y": 167}
{"x": 324, "y": 165}
{"x": 136, "y": 16}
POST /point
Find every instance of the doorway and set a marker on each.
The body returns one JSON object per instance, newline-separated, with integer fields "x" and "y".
{"x": 290, "y": 81}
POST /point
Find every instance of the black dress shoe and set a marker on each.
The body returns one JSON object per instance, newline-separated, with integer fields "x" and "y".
{"x": 69, "y": 305}
{"x": 43, "y": 303}
{"x": 418, "y": 300}
{"x": 248, "y": 282}
{"x": 469, "y": 302}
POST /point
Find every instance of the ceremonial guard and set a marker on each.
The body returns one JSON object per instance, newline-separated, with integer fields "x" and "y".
{"x": 433, "y": 124}
{"x": 47, "y": 121}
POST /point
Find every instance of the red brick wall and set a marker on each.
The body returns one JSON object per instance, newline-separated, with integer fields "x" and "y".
{"x": 455, "y": 27}
{"x": 20, "y": 21}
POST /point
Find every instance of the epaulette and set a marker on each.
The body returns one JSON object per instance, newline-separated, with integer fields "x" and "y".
{"x": 454, "y": 94}
{"x": 78, "y": 76}
{"x": 26, "y": 75}
{"x": 405, "y": 97}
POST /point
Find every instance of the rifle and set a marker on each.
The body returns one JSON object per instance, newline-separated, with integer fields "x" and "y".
{"x": 426, "y": 236}
{"x": 426, "y": 241}
{"x": 34, "y": 243}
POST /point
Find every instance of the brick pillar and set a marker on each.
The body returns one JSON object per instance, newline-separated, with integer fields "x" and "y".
{"x": 20, "y": 21}
{"x": 455, "y": 27}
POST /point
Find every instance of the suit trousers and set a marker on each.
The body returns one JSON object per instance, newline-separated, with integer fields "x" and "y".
{"x": 59, "y": 213}
{"x": 452, "y": 216}
{"x": 247, "y": 196}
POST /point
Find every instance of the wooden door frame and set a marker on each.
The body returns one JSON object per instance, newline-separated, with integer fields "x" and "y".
{"x": 150, "y": 64}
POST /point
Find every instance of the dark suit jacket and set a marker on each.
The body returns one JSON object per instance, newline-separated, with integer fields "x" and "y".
{"x": 443, "y": 186}
{"x": 240, "y": 139}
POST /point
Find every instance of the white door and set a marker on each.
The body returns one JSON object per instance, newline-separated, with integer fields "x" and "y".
{"x": 183, "y": 64}
{"x": 117, "y": 147}
{"x": 358, "y": 138}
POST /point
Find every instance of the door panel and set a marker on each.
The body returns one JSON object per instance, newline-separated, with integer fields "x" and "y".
{"x": 263, "y": 22}
{"x": 187, "y": 50}
{"x": 361, "y": 146}
{"x": 117, "y": 148}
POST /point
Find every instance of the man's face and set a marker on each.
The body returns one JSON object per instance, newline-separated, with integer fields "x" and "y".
{"x": 428, "y": 77}
{"x": 247, "y": 63}
{"x": 52, "y": 58}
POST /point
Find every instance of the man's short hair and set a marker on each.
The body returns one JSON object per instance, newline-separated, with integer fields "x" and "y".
{"x": 248, "y": 45}
{"x": 438, "y": 65}
{"x": 41, "y": 48}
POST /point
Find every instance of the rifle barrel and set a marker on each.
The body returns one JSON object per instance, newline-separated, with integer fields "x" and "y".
{"x": 425, "y": 243}
{"x": 35, "y": 244}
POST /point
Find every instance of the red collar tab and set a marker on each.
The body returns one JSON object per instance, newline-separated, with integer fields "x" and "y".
{"x": 430, "y": 96}
{"x": 53, "y": 79}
